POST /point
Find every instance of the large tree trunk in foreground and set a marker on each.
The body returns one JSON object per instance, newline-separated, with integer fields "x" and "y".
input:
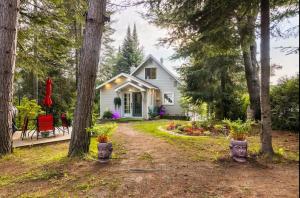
{"x": 266, "y": 131}
{"x": 9, "y": 10}
{"x": 89, "y": 61}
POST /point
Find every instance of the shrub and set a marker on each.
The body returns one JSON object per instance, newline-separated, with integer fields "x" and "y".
{"x": 238, "y": 129}
{"x": 285, "y": 104}
{"x": 176, "y": 117}
{"x": 30, "y": 109}
{"x": 107, "y": 115}
{"x": 205, "y": 124}
{"x": 181, "y": 128}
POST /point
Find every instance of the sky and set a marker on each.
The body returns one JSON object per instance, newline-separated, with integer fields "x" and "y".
{"x": 149, "y": 36}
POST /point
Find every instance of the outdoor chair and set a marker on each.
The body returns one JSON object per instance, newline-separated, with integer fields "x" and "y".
{"x": 64, "y": 123}
{"x": 45, "y": 124}
{"x": 25, "y": 128}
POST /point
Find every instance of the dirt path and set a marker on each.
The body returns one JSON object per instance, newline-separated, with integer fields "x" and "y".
{"x": 155, "y": 168}
{"x": 150, "y": 167}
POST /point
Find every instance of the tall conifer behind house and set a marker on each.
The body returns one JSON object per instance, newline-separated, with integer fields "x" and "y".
{"x": 130, "y": 54}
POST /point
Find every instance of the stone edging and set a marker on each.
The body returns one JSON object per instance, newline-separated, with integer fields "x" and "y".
{"x": 171, "y": 132}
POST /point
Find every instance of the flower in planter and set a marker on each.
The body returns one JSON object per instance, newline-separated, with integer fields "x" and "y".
{"x": 116, "y": 115}
{"x": 162, "y": 111}
{"x": 105, "y": 147}
{"x": 238, "y": 144}
{"x": 238, "y": 129}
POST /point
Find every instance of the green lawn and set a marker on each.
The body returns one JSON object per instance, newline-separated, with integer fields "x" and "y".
{"x": 211, "y": 148}
{"x": 49, "y": 165}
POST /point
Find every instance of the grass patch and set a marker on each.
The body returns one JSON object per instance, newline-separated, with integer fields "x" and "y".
{"x": 208, "y": 147}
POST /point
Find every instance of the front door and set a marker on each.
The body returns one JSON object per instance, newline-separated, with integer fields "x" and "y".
{"x": 127, "y": 104}
{"x": 137, "y": 104}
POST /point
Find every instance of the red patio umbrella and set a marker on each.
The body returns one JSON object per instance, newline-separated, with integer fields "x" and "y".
{"x": 47, "y": 100}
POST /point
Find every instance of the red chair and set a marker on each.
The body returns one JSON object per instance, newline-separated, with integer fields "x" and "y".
{"x": 45, "y": 123}
{"x": 64, "y": 123}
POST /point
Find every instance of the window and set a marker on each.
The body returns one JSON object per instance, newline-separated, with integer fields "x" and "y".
{"x": 150, "y": 73}
{"x": 168, "y": 98}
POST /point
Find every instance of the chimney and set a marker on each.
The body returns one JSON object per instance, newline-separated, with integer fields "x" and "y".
{"x": 162, "y": 61}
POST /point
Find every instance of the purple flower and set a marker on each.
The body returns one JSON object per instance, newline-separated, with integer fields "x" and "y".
{"x": 162, "y": 111}
{"x": 116, "y": 115}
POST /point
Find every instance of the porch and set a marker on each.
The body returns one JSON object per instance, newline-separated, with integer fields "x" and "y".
{"x": 136, "y": 100}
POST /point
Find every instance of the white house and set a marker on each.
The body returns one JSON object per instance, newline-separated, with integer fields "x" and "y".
{"x": 149, "y": 85}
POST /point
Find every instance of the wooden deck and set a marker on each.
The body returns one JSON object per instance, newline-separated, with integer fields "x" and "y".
{"x": 27, "y": 142}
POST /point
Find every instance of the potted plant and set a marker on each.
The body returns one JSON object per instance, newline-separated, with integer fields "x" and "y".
{"x": 105, "y": 147}
{"x": 117, "y": 102}
{"x": 238, "y": 143}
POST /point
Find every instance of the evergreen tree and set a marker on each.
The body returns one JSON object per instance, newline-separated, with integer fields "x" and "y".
{"x": 130, "y": 54}
{"x": 9, "y": 11}
{"x": 138, "y": 55}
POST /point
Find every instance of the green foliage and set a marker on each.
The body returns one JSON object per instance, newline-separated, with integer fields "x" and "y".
{"x": 153, "y": 112}
{"x": 130, "y": 54}
{"x": 239, "y": 129}
{"x": 200, "y": 109}
{"x": 117, "y": 102}
{"x": 30, "y": 109}
{"x": 102, "y": 129}
{"x": 285, "y": 104}
{"x": 107, "y": 115}
{"x": 220, "y": 84}
{"x": 175, "y": 117}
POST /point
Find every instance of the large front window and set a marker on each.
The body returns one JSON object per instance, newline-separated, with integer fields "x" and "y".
{"x": 150, "y": 73}
{"x": 168, "y": 98}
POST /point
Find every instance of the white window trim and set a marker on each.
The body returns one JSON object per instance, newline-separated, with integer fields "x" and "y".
{"x": 163, "y": 98}
{"x": 150, "y": 68}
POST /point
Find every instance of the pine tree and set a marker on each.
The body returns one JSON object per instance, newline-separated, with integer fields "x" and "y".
{"x": 9, "y": 11}
{"x": 130, "y": 54}
{"x": 88, "y": 66}
{"x": 266, "y": 125}
{"x": 138, "y": 55}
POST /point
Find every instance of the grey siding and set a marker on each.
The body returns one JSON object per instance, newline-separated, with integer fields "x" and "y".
{"x": 107, "y": 95}
{"x": 165, "y": 82}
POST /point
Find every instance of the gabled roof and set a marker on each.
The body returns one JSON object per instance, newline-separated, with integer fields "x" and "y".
{"x": 133, "y": 78}
{"x": 158, "y": 63}
{"x": 130, "y": 84}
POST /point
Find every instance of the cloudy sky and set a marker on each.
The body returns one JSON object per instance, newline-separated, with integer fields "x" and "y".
{"x": 150, "y": 34}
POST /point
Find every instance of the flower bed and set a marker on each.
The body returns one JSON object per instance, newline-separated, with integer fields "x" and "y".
{"x": 198, "y": 128}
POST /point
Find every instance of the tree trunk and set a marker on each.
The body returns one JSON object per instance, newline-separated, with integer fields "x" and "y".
{"x": 252, "y": 82}
{"x": 266, "y": 130}
{"x": 9, "y": 10}
{"x": 88, "y": 66}
{"x": 248, "y": 45}
{"x": 78, "y": 35}
{"x": 35, "y": 78}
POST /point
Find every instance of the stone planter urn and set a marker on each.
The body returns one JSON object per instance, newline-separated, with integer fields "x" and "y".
{"x": 238, "y": 150}
{"x": 104, "y": 151}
